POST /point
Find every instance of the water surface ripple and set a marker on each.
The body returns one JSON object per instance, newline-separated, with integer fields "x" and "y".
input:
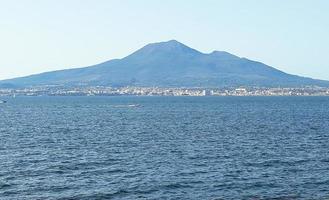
{"x": 166, "y": 148}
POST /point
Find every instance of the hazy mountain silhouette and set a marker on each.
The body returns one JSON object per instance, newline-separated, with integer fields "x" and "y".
{"x": 170, "y": 64}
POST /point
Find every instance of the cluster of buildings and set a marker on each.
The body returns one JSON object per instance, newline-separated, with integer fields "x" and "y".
{"x": 306, "y": 91}
{"x": 158, "y": 91}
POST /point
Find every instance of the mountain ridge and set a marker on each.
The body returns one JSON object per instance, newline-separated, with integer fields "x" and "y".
{"x": 170, "y": 64}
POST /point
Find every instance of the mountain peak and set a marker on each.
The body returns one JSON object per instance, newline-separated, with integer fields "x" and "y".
{"x": 171, "y": 47}
{"x": 173, "y": 42}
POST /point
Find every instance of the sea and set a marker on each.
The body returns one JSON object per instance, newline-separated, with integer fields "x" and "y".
{"x": 198, "y": 148}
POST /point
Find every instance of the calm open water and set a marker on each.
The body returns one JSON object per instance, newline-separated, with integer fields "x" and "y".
{"x": 168, "y": 148}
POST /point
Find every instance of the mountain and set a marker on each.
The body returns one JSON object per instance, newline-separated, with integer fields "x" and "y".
{"x": 170, "y": 64}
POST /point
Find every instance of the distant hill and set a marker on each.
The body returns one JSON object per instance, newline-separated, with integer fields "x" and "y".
{"x": 170, "y": 64}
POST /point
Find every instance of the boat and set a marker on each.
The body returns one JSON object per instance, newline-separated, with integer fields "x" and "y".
{"x": 3, "y": 101}
{"x": 134, "y": 105}
{"x": 127, "y": 106}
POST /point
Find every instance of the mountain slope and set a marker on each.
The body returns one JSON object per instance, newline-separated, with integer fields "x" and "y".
{"x": 171, "y": 64}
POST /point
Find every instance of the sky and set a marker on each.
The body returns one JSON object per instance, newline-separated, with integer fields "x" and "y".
{"x": 44, "y": 35}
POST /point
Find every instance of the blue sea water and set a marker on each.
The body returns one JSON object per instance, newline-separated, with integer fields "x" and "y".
{"x": 164, "y": 148}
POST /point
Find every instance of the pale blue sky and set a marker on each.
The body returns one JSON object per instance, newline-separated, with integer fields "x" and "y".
{"x": 44, "y": 35}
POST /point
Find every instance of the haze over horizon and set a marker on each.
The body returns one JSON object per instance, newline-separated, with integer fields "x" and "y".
{"x": 46, "y": 35}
